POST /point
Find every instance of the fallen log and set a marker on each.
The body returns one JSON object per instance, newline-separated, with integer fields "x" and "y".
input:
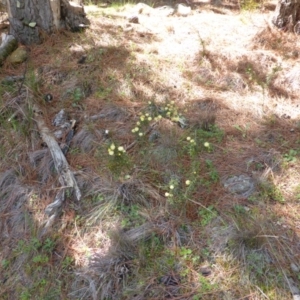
{"x": 8, "y": 45}
{"x": 66, "y": 176}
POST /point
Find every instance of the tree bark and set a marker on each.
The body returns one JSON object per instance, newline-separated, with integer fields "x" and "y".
{"x": 30, "y": 18}
{"x": 287, "y": 14}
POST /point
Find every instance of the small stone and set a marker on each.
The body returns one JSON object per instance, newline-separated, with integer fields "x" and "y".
{"x": 242, "y": 185}
{"x": 133, "y": 19}
{"x": 60, "y": 118}
{"x": 48, "y": 97}
{"x": 205, "y": 271}
{"x": 295, "y": 268}
{"x": 18, "y": 56}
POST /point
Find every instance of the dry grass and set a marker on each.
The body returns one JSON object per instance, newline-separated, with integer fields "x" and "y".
{"x": 157, "y": 221}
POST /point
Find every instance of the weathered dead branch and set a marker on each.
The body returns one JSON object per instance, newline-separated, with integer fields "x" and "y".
{"x": 66, "y": 176}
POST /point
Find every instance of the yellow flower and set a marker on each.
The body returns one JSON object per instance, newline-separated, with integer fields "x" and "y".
{"x": 138, "y": 123}
{"x": 167, "y": 194}
{"x": 149, "y": 118}
{"x": 188, "y": 138}
{"x": 192, "y": 141}
{"x": 171, "y": 187}
{"x": 188, "y": 182}
{"x": 110, "y": 152}
{"x": 121, "y": 149}
{"x": 112, "y": 147}
{"x": 142, "y": 118}
{"x": 206, "y": 144}
{"x": 140, "y": 134}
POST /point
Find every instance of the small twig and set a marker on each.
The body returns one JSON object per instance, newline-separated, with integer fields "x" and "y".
{"x": 262, "y": 292}
{"x": 23, "y": 79}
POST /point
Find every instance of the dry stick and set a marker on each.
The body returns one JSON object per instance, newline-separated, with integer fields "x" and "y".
{"x": 66, "y": 177}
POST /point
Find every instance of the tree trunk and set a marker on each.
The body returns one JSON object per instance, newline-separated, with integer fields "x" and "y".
{"x": 287, "y": 15}
{"x": 30, "y": 18}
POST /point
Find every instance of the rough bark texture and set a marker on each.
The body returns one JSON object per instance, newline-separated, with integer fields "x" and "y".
{"x": 29, "y": 18}
{"x": 66, "y": 177}
{"x": 23, "y": 12}
{"x": 287, "y": 14}
{"x": 73, "y": 15}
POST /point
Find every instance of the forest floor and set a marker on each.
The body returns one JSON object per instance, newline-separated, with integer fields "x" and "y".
{"x": 186, "y": 151}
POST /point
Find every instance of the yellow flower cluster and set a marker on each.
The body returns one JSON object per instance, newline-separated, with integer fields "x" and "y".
{"x": 172, "y": 187}
{"x": 192, "y": 141}
{"x": 143, "y": 119}
{"x": 171, "y": 112}
{"x": 168, "y": 194}
{"x": 159, "y": 117}
{"x": 112, "y": 150}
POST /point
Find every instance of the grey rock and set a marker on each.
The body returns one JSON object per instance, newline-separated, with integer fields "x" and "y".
{"x": 242, "y": 185}
{"x": 294, "y": 268}
{"x": 133, "y": 19}
{"x": 155, "y": 135}
{"x": 60, "y": 118}
{"x": 205, "y": 270}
